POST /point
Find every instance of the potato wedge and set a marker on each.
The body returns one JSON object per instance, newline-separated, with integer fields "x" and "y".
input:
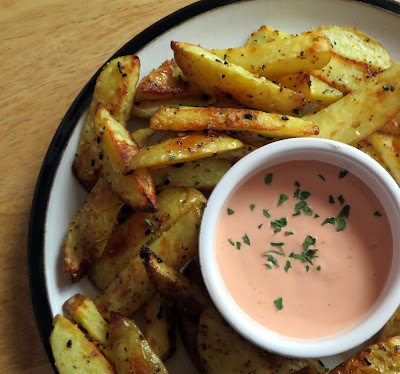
{"x": 344, "y": 74}
{"x": 115, "y": 88}
{"x": 143, "y": 136}
{"x": 98, "y": 219}
{"x": 132, "y": 287}
{"x": 267, "y": 124}
{"x": 354, "y": 44}
{"x": 202, "y": 174}
{"x": 380, "y": 358}
{"x": 361, "y": 112}
{"x": 392, "y": 127}
{"x": 368, "y": 149}
{"x": 125, "y": 242}
{"x": 73, "y": 256}
{"x": 161, "y": 84}
{"x": 118, "y": 148}
{"x": 160, "y": 326}
{"x": 388, "y": 148}
{"x": 132, "y": 352}
{"x": 83, "y": 311}
{"x": 73, "y": 353}
{"x": 224, "y": 351}
{"x": 264, "y": 35}
{"x": 214, "y": 76}
{"x": 299, "y": 82}
{"x": 190, "y": 147}
{"x": 322, "y": 94}
{"x": 308, "y": 51}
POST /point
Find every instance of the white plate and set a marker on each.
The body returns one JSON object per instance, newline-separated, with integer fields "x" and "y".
{"x": 212, "y": 26}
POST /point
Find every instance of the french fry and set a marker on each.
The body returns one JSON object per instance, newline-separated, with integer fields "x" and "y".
{"x": 73, "y": 353}
{"x": 308, "y": 51}
{"x": 143, "y": 136}
{"x": 118, "y": 148}
{"x": 322, "y": 94}
{"x": 380, "y": 358}
{"x": 388, "y": 148}
{"x": 392, "y": 127}
{"x": 132, "y": 352}
{"x": 299, "y": 82}
{"x": 368, "y": 149}
{"x": 264, "y": 35}
{"x": 190, "y": 147}
{"x": 361, "y": 112}
{"x": 83, "y": 311}
{"x": 214, "y": 76}
{"x": 115, "y": 88}
{"x": 97, "y": 219}
{"x": 132, "y": 287}
{"x": 160, "y": 326}
{"x": 127, "y": 239}
{"x": 267, "y": 124}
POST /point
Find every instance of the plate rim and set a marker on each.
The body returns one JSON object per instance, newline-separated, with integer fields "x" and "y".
{"x": 55, "y": 152}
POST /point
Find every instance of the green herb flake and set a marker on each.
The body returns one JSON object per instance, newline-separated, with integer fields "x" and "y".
{"x": 309, "y": 240}
{"x": 268, "y": 266}
{"x": 341, "y": 199}
{"x": 378, "y": 213}
{"x": 331, "y": 199}
{"x": 287, "y": 233}
{"x": 196, "y": 184}
{"x": 302, "y": 207}
{"x": 149, "y": 221}
{"x": 238, "y": 245}
{"x": 296, "y": 194}
{"x": 302, "y": 258}
{"x": 341, "y": 225}
{"x": 278, "y": 229}
{"x": 316, "y": 215}
{"x": 272, "y": 259}
{"x": 322, "y": 177}
{"x": 277, "y": 244}
{"x": 319, "y": 267}
{"x": 296, "y": 214}
{"x": 259, "y": 226}
{"x": 266, "y": 213}
{"x": 246, "y": 239}
{"x": 278, "y": 303}
{"x": 297, "y": 184}
{"x": 330, "y": 220}
{"x": 304, "y": 195}
{"x": 343, "y": 173}
{"x": 252, "y": 206}
{"x": 231, "y": 241}
{"x": 230, "y": 211}
{"x": 307, "y": 268}
{"x": 282, "y": 199}
{"x": 344, "y": 212}
{"x": 287, "y": 266}
{"x": 268, "y": 179}
{"x": 281, "y": 222}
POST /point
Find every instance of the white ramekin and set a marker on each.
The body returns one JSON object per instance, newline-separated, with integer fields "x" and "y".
{"x": 344, "y": 156}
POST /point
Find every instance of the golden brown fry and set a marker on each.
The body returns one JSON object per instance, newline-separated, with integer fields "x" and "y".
{"x": 368, "y": 149}
{"x": 380, "y": 358}
{"x": 322, "y": 94}
{"x": 264, "y": 35}
{"x": 308, "y": 51}
{"x": 160, "y": 326}
{"x": 143, "y": 136}
{"x": 214, "y": 76}
{"x": 132, "y": 352}
{"x": 115, "y": 88}
{"x": 267, "y": 124}
{"x": 392, "y": 127}
{"x": 73, "y": 353}
{"x": 190, "y": 147}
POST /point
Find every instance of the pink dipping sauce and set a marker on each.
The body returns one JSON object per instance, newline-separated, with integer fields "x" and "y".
{"x": 341, "y": 284}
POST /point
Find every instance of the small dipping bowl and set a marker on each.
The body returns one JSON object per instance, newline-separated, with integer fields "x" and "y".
{"x": 328, "y": 151}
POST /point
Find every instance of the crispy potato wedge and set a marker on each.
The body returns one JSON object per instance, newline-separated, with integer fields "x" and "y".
{"x": 98, "y": 219}
{"x": 143, "y": 136}
{"x": 388, "y": 148}
{"x": 392, "y": 127}
{"x": 118, "y": 148}
{"x": 190, "y": 147}
{"x": 392, "y": 327}
{"x": 160, "y": 326}
{"x": 361, "y": 112}
{"x": 264, "y": 35}
{"x": 344, "y": 74}
{"x": 115, "y": 88}
{"x": 125, "y": 242}
{"x": 224, "y": 351}
{"x": 354, "y": 44}
{"x": 368, "y": 149}
{"x": 83, "y": 311}
{"x": 132, "y": 352}
{"x": 132, "y": 287}
{"x": 299, "y": 82}
{"x": 267, "y": 124}
{"x": 202, "y": 174}
{"x": 73, "y": 353}
{"x": 170, "y": 282}
{"x": 214, "y": 76}
{"x": 308, "y": 51}
{"x": 73, "y": 256}
{"x": 380, "y": 358}
{"x": 161, "y": 84}
{"x": 322, "y": 94}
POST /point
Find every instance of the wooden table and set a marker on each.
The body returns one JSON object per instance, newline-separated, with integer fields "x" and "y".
{"x": 49, "y": 49}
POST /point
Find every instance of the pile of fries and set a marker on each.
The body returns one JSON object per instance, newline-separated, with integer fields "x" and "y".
{"x": 139, "y": 226}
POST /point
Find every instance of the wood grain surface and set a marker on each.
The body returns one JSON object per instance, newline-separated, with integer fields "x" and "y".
{"x": 49, "y": 49}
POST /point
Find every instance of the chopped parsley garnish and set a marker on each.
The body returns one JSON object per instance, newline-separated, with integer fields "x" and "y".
{"x": 231, "y": 241}
{"x": 268, "y": 266}
{"x": 279, "y": 245}
{"x": 331, "y": 199}
{"x": 304, "y": 195}
{"x": 266, "y": 213}
{"x": 252, "y": 206}
{"x": 268, "y": 179}
{"x": 297, "y": 184}
{"x": 319, "y": 267}
{"x": 279, "y": 223}
{"x": 316, "y": 215}
{"x": 341, "y": 225}
{"x": 287, "y": 233}
{"x": 309, "y": 240}
{"x": 282, "y": 199}
{"x": 196, "y": 184}
{"x": 278, "y": 303}
{"x": 322, "y": 177}
{"x": 330, "y": 220}
{"x": 272, "y": 260}
{"x": 230, "y": 211}
{"x": 343, "y": 173}
{"x": 344, "y": 212}
{"x": 296, "y": 256}
{"x": 238, "y": 245}
{"x": 307, "y": 268}
{"x": 287, "y": 266}
{"x": 149, "y": 221}
{"x": 302, "y": 207}
{"x": 259, "y": 226}
{"x": 278, "y": 229}
{"x": 378, "y": 213}
{"x": 341, "y": 199}
{"x": 246, "y": 239}
{"x": 296, "y": 193}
